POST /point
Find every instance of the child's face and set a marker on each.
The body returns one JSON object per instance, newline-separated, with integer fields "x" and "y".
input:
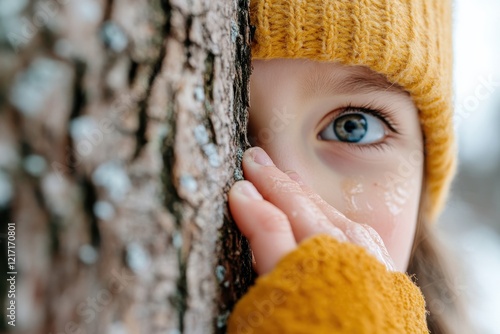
{"x": 351, "y": 136}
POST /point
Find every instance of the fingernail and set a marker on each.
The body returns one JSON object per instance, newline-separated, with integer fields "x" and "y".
{"x": 294, "y": 176}
{"x": 260, "y": 156}
{"x": 248, "y": 189}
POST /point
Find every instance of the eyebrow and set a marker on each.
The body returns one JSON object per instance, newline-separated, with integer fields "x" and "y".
{"x": 362, "y": 81}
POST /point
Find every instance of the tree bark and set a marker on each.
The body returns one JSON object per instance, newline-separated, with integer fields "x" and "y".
{"x": 122, "y": 126}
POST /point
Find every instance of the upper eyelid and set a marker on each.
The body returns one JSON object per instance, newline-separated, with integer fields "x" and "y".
{"x": 380, "y": 115}
{"x": 383, "y": 114}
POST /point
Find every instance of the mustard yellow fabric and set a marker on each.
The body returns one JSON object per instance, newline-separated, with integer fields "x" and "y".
{"x": 325, "y": 286}
{"x": 409, "y": 41}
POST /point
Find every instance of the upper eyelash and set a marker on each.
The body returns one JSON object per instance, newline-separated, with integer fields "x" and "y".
{"x": 385, "y": 114}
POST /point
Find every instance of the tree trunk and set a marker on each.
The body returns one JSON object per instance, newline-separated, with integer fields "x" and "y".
{"x": 122, "y": 126}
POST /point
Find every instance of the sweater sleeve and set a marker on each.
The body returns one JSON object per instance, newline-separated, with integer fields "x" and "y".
{"x": 326, "y": 286}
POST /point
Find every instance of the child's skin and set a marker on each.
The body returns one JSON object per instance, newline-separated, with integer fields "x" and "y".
{"x": 354, "y": 185}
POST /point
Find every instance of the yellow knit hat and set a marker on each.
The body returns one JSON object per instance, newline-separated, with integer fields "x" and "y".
{"x": 409, "y": 41}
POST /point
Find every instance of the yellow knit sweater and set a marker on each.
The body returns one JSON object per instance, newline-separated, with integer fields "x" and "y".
{"x": 325, "y": 286}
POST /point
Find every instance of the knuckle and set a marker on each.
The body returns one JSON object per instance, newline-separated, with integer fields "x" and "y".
{"x": 338, "y": 234}
{"x": 358, "y": 234}
{"x": 313, "y": 196}
{"x": 279, "y": 185}
{"x": 373, "y": 233}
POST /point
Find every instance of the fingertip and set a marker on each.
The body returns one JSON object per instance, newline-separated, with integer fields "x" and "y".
{"x": 245, "y": 189}
{"x": 258, "y": 156}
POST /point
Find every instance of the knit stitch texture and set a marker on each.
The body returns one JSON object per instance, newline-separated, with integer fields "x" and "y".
{"x": 318, "y": 288}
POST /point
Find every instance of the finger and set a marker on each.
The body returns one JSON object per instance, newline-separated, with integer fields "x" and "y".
{"x": 266, "y": 227}
{"x": 334, "y": 215}
{"x": 305, "y": 217}
{"x": 383, "y": 252}
{"x": 360, "y": 234}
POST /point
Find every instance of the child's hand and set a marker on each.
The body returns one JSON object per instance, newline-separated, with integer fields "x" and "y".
{"x": 288, "y": 212}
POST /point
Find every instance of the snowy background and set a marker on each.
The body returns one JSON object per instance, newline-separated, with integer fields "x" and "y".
{"x": 471, "y": 222}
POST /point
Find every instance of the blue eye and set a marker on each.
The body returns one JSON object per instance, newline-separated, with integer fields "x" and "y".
{"x": 356, "y": 127}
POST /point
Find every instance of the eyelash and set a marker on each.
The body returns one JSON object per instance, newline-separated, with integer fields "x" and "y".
{"x": 384, "y": 114}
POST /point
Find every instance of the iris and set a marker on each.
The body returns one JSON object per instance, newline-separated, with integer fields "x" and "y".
{"x": 350, "y": 128}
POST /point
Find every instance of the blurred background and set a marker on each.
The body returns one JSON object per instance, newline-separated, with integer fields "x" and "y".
{"x": 471, "y": 222}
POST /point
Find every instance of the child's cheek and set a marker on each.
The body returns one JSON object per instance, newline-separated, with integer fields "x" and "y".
{"x": 389, "y": 206}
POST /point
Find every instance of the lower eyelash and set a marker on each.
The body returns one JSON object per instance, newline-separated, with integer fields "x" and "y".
{"x": 383, "y": 146}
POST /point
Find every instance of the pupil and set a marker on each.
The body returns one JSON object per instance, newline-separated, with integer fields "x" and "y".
{"x": 350, "y": 128}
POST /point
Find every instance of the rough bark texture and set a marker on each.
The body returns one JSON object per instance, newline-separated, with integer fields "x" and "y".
{"x": 121, "y": 127}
